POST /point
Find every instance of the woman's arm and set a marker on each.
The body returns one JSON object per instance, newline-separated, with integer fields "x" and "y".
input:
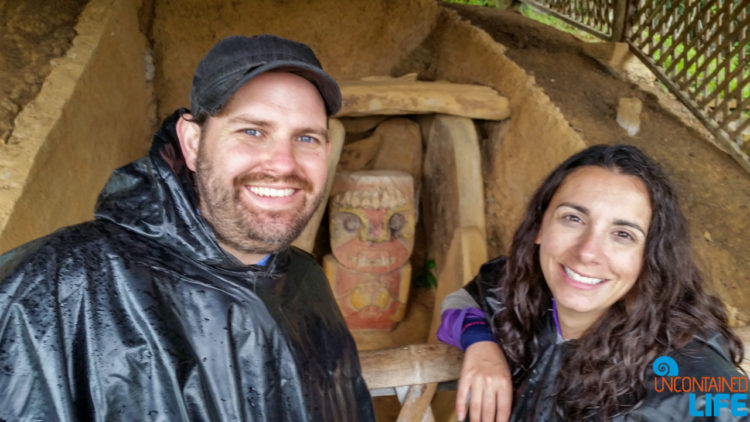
{"x": 484, "y": 388}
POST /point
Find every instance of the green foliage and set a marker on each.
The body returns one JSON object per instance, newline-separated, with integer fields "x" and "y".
{"x": 427, "y": 279}
{"x": 556, "y": 23}
{"x": 709, "y": 69}
{"x": 473, "y": 2}
{"x": 675, "y": 64}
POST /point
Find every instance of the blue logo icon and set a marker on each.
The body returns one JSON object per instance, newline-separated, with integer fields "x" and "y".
{"x": 665, "y": 366}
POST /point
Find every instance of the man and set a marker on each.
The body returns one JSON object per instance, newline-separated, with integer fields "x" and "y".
{"x": 182, "y": 300}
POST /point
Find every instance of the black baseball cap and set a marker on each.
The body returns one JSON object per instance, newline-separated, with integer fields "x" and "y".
{"x": 235, "y": 60}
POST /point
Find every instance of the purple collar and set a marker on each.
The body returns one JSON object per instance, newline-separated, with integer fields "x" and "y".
{"x": 557, "y": 320}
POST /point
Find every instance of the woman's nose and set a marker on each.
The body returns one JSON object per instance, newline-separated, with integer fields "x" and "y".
{"x": 589, "y": 246}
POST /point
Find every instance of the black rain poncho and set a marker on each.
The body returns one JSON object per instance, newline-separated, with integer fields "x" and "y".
{"x": 139, "y": 315}
{"x": 535, "y": 395}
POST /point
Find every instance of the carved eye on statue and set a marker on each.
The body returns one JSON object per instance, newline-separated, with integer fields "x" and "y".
{"x": 350, "y": 222}
{"x": 397, "y": 222}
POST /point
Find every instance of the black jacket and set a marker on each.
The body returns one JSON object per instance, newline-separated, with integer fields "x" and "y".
{"x": 535, "y": 397}
{"x": 140, "y": 315}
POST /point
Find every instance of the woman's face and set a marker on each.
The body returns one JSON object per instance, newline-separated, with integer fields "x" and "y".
{"x": 591, "y": 241}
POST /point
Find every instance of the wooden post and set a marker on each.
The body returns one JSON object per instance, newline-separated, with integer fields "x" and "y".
{"x": 619, "y": 20}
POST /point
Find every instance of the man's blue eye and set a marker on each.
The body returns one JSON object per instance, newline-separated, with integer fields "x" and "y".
{"x": 252, "y": 132}
{"x": 307, "y": 139}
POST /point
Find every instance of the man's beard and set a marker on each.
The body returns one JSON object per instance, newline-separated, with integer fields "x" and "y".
{"x": 243, "y": 228}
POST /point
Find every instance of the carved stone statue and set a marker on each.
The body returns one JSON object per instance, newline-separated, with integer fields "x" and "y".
{"x": 371, "y": 220}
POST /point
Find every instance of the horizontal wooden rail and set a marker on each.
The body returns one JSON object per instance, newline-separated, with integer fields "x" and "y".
{"x": 410, "y": 365}
{"x": 413, "y": 373}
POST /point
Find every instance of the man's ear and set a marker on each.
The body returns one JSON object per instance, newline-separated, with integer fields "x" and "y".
{"x": 189, "y": 134}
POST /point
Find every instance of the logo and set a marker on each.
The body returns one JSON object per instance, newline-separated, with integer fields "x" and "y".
{"x": 708, "y": 395}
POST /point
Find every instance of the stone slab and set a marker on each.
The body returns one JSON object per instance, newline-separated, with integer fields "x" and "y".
{"x": 306, "y": 239}
{"x": 358, "y": 155}
{"x": 358, "y": 125}
{"x": 395, "y": 144}
{"x": 466, "y": 253}
{"x": 400, "y": 148}
{"x": 452, "y": 186}
{"x": 399, "y": 96}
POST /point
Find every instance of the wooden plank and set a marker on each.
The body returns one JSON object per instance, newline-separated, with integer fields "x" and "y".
{"x": 416, "y": 406}
{"x": 409, "y": 365}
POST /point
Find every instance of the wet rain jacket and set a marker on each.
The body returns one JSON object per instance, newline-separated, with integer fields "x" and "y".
{"x": 535, "y": 396}
{"x": 140, "y": 316}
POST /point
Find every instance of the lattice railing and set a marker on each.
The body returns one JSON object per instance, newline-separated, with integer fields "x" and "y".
{"x": 595, "y": 16}
{"x": 698, "y": 48}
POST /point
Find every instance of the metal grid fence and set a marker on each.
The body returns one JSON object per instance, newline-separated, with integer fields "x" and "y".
{"x": 698, "y": 48}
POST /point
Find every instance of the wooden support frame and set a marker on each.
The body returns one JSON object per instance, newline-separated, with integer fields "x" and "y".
{"x": 413, "y": 373}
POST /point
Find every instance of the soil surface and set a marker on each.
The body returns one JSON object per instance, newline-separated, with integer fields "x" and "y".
{"x": 34, "y": 32}
{"x": 714, "y": 190}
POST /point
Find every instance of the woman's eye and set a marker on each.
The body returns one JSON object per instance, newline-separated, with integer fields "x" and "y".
{"x": 571, "y": 217}
{"x": 624, "y": 235}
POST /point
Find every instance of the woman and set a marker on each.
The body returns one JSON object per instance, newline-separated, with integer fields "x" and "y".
{"x": 599, "y": 283}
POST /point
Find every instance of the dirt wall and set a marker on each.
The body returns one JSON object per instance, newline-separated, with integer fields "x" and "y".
{"x": 89, "y": 118}
{"x": 351, "y": 38}
{"x": 518, "y": 152}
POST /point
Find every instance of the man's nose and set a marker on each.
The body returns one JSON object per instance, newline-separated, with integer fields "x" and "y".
{"x": 281, "y": 157}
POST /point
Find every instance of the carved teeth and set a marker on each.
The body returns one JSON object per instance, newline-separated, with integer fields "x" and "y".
{"x": 380, "y": 197}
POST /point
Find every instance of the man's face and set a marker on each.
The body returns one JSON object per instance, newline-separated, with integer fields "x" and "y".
{"x": 261, "y": 164}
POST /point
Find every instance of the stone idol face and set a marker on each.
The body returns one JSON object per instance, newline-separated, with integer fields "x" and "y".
{"x": 372, "y": 237}
{"x": 372, "y": 217}
{"x": 369, "y": 301}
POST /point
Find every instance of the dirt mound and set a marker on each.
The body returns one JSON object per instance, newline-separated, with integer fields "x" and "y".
{"x": 34, "y": 32}
{"x": 713, "y": 188}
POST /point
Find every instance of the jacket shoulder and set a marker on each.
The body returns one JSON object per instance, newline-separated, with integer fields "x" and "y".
{"x": 62, "y": 256}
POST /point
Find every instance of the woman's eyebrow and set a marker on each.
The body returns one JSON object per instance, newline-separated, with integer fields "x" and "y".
{"x": 619, "y": 222}
{"x": 576, "y": 207}
{"x": 630, "y": 224}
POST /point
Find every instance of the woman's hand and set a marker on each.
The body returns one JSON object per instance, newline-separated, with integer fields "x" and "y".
{"x": 485, "y": 382}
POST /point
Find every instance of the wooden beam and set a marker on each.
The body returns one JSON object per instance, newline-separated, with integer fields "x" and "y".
{"x": 409, "y": 365}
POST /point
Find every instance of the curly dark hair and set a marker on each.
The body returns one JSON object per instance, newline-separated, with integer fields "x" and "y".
{"x": 604, "y": 371}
